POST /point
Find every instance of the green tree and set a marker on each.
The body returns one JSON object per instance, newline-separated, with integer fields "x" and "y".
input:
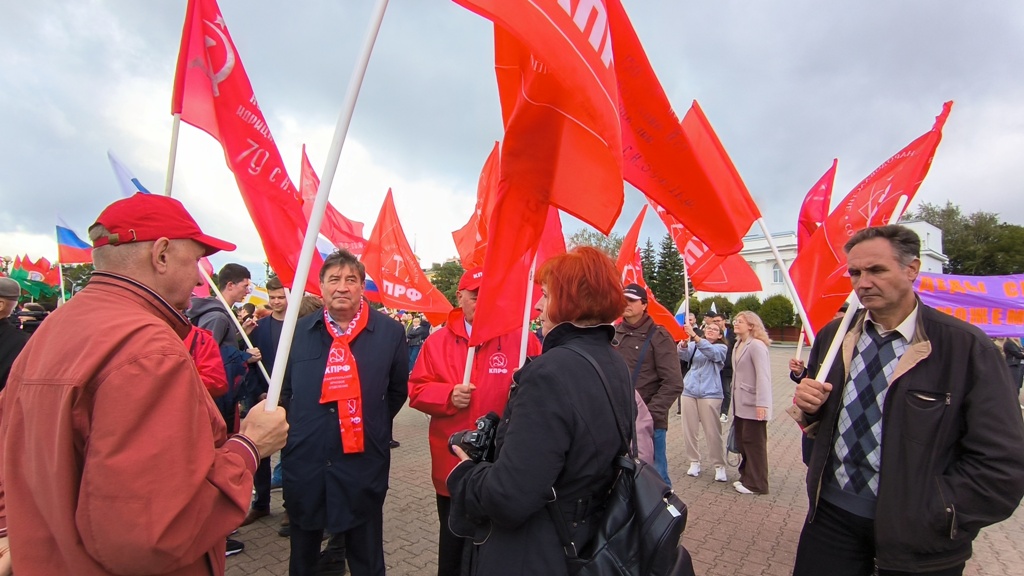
{"x": 722, "y": 305}
{"x": 648, "y": 260}
{"x": 76, "y": 277}
{"x": 445, "y": 277}
{"x": 977, "y": 243}
{"x": 777, "y": 311}
{"x": 667, "y": 280}
{"x": 610, "y": 244}
{"x": 748, "y": 302}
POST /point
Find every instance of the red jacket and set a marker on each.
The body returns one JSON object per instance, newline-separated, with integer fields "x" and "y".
{"x": 441, "y": 366}
{"x": 114, "y": 459}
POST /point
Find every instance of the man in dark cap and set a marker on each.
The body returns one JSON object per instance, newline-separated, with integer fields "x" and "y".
{"x": 114, "y": 458}
{"x": 651, "y": 355}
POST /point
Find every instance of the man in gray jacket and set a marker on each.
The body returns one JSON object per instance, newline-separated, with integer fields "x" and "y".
{"x": 650, "y": 353}
{"x": 917, "y": 435}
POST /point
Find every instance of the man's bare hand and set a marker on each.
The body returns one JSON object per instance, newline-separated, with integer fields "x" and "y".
{"x": 811, "y": 394}
{"x": 267, "y": 430}
{"x": 461, "y": 395}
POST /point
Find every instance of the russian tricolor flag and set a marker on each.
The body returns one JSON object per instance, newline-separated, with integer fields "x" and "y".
{"x": 71, "y": 249}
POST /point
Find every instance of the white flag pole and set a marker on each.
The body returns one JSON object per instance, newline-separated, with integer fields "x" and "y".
{"x": 789, "y": 281}
{"x": 854, "y": 303}
{"x": 173, "y": 155}
{"x": 526, "y": 313}
{"x": 323, "y": 193}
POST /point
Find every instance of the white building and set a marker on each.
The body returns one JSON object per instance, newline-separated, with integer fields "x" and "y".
{"x": 759, "y": 255}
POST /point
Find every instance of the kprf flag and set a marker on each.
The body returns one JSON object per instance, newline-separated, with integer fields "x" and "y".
{"x": 340, "y": 231}
{"x": 213, "y": 93}
{"x": 815, "y": 207}
{"x": 819, "y": 271}
{"x": 683, "y": 167}
{"x": 471, "y": 239}
{"x": 708, "y": 272}
{"x": 70, "y": 248}
{"x": 561, "y": 147}
{"x": 390, "y": 261}
{"x": 631, "y": 268}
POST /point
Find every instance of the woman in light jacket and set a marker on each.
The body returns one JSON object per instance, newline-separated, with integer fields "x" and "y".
{"x": 702, "y": 397}
{"x": 751, "y": 401}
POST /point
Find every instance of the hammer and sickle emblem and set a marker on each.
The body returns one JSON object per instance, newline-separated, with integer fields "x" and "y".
{"x": 229, "y": 56}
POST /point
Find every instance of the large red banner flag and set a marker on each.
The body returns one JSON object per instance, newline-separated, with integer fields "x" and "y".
{"x": 815, "y": 207}
{"x": 682, "y": 167}
{"x": 631, "y": 268}
{"x": 212, "y": 92}
{"x": 471, "y": 239}
{"x": 819, "y": 271}
{"x": 708, "y": 272}
{"x": 342, "y": 232}
{"x": 561, "y": 148}
{"x": 390, "y": 261}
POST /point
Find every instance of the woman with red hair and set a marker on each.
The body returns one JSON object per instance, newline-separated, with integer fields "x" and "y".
{"x": 558, "y": 438}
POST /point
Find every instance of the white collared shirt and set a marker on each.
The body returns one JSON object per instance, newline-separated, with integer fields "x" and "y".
{"x": 906, "y": 328}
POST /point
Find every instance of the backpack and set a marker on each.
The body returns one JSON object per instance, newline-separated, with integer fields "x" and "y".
{"x": 640, "y": 529}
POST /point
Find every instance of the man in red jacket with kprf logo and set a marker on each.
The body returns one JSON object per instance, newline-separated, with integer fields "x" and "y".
{"x": 436, "y": 388}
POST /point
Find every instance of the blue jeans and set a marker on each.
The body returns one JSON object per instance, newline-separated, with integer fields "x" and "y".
{"x": 660, "y": 459}
{"x": 414, "y": 352}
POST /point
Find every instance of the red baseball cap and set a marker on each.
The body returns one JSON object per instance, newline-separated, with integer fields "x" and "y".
{"x": 472, "y": 279}
{"x": 148, "y": 217}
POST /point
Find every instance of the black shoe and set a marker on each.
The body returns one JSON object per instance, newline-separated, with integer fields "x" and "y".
{"x": 395, "y": 444}
{"x": 285, "y": 531}
{"x": 234, "y": 547}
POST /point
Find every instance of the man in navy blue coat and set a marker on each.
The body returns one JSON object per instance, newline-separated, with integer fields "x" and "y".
{"x": 337, "y": 458}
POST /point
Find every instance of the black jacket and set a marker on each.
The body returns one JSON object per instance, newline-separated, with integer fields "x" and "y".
{"x": 418, "y": 334}
{"x": 558, "y": 432}
{"x": 952, "y": 443}
{"x": 323, "y": 486}
{"x": 1013, "y": 353}
{"x": 12, "y": 340}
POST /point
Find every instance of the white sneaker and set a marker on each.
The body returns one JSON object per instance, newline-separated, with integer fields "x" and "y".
{"x": 720, "y": 474}
{"x": 723, "y": 418}
{"x": 694, "y": 469}
{"x": 741, "y": 488}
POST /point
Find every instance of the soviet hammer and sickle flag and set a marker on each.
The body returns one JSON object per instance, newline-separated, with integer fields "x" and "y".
{"x": 212, "y": 92}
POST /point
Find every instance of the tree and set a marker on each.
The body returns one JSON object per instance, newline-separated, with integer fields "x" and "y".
{"x": 648, "y": 260}
{"x": 722, "y": 305}
{"x": 445, "y": 277}
{"x": 777, "y": 311}
{"x": 76, "y": 277}
{"x": 748, "y": 302}
{"x": 667, "y": 280}
{"x": 976, "y": 244}
{"x": 610, "y": 244}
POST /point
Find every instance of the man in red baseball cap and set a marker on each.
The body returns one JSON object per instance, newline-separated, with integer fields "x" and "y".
{"x": 439, "y": 386}
{"x": 120, "y": 462}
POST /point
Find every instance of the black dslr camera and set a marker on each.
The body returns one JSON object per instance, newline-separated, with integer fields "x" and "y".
{"x": 477, "y": 443}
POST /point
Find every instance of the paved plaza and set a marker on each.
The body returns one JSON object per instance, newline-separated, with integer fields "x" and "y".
{"x": 728, "y": 533}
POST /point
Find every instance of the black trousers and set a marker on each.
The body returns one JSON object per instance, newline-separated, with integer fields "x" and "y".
{"x": 726, "y": 393}
{"x": 450, "y": 548}
{"x": 364, "y": 548}
{"x": 839, "y": 543}
{"x": 261, "y": 481}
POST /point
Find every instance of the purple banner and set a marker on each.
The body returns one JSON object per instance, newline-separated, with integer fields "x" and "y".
{"x": 993, "y": 303}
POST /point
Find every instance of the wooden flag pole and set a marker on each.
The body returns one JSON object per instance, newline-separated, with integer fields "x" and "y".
{"x": 316, "y": 217}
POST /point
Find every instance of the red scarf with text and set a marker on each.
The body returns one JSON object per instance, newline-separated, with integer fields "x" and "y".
{"x": 341, "y": 380}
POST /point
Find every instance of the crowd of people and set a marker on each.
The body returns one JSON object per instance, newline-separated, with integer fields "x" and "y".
{"x": 141, "y": 445}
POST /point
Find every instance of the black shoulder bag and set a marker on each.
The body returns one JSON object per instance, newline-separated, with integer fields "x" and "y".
{"x": 643, "y": 521}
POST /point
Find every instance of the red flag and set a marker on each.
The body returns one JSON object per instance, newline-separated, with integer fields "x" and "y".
{"x": 559, "y": 106}
{"x": 683, "y": 168}
{"x": 342, "y": 232}
{"x": 815, "y": 207}
{"x": 708, "y": 271}
{"x": 391, "y": 264}
{"x": 213, "y": 93}
{"x": 471, "y": 239}
{"x": 819, "y": 272}
{"x": 203, "y": 289}
{"x": 631, "y": 268}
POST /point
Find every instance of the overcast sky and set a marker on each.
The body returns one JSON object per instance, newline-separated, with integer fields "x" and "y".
{"x": 788, "y": 85}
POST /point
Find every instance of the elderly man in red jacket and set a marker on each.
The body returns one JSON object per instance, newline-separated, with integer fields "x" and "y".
{"x": 114, "y": 458}
{"x": 436, "y": 387}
